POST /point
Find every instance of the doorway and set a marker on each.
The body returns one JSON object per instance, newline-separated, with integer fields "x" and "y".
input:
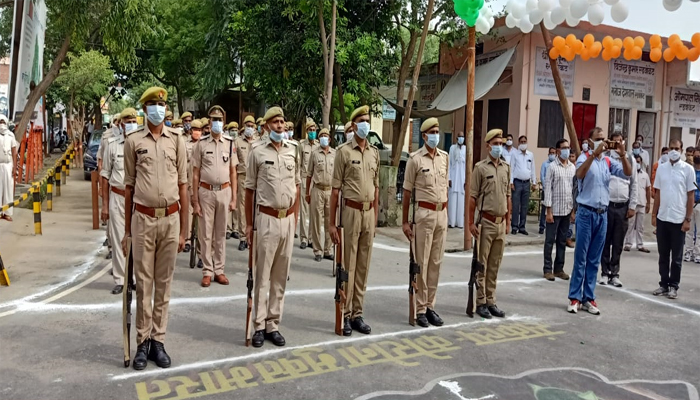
{"x": 646, "y": 127}
{"x": 585, "y": 117}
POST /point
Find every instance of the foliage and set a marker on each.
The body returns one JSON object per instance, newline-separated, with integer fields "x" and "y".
{"x": 85, "y": 77}
{"x": 6, "y": 17}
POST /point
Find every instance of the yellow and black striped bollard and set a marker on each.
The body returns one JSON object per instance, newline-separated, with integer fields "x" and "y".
{"x": 49, "y": 191}
{"x": 70, "y": 158}
{"x": 57, "y": 180}
{"x": 4, "y": 278}
{"x": 63, "y": 170}
{"x": 36, "y": 198}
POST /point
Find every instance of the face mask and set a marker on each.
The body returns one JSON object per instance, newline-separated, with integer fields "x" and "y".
{"x": 131, "y": 126}
{"x": 636, "y": 151}
{"x": 312, "y": 135}
{"x": 565, "y": 153}
{"x": 187, "y": 126}
{"x": 325, "y": 141}
{"x": 509, "y": 143}
{"x": 663, "y": 159}
{"x": 674, "y": 155}
{"x": 217, "y": 126}
{"x": 168, "y": 123}
{"x": 597, "y": 144}
{"x": 362, "y": 129}
{"x": 552, "y": 157}
{"x": 584, "y": 146}
{"x": 156, "y": 114}
{"x": 433, "y": 140}
{"x": 696, "y": 160}
{"x": 196, "y": 134}
{"x": 460, "y": 140}
{"x": 259, "y": 129}
{"x": 523, "y": 147}
{"x": 496, "y": 151}
{"x": 349, "y": 135}
{"x": 276, "y": 137}
{"x": 248, "y": 132}
{"x": 290, "y": 134}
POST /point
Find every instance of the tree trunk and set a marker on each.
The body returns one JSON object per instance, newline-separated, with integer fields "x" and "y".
{"x": 396, "y": 157}
{"x": 180, "y": 106}
{"x": 98, "y": 116}
{"x": 41, "y": 88}
{"x": 341, "y": 100}
{"x": 471, "y": 61}
{"x": 400, "y": 88}
{"x": 328, "y": 62}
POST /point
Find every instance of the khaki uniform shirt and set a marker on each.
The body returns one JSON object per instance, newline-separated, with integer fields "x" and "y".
{"x": 113, "y": 162}
{"x": 320, "y": 167}
{"x": 109, "y": 133}
{"x": 215, "y": 158}
{"x": 427, "y": 175}
{"x": 491, "y": 186}
{"x": 355, "y": 172}
{"x": 242, "y": 148}
{"x": 189, "y": 145}
{"x": 155, "y": 168}
{"x": 305, "y": 150}
{"x": 274, "y": 174}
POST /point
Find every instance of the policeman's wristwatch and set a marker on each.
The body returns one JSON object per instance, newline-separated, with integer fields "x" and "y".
{"x": 687, "y": 219}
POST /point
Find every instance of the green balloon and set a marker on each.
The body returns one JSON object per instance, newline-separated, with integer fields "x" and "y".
{"x": 471, "y": 18}
{"x": 462, "y": 9}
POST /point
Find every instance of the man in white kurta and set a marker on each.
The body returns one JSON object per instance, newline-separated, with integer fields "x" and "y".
{"x": 458, "y": 163}
{"x": 8, "y": 155}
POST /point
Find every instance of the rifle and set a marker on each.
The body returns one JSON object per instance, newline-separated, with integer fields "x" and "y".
{"x": 341, "y": 276}
{"x": 477, "y": 268}
{"x": 413, "y": 271}
{"x": 249, "y": 283}
{"x": 126, "y": 302}
{"x": 193, "y": 242}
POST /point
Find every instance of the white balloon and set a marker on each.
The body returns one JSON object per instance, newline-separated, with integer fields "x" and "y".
{"x": 492, "y": 22}
{"x": 482, "y": 25}
{"x": 525, "y": 25}
{"x": 536, "y": 16}
{"x": 619, "y": 12}
{"x": 672, "y": 5}
{"x": 558, "y": 15}
{"x": 511, "y": 22}
{"x": 572, "y": 21}
{"x": 596, "y": 14}
{"x": 694, "y": 1}
{"x": 545, "y": 5}
{"x": 578, "y": 9}
{"x": 613, "y": 2}
{"x": 548, "y": 21}
{"x": 531, "y": 5}
{"x": 565, "y": 3}
{"x": 518, "y": 10}
{"x": 486, "y": 11}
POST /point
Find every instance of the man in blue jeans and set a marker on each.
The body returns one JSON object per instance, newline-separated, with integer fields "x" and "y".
{"x": 593, "y": 173}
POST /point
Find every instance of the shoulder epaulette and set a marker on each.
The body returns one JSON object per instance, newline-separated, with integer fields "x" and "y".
{"x": 113, "y": 139}
{"x": 205, "y": 137}
{"x": 442, "y": 151}
{"x": 141, "y": 129}
{"x": 175, "y": 131}
{"x": 292, "y": 142}
{"x": 257, "y": 143}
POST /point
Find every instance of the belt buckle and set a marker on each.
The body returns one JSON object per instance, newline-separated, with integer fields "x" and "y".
{"x": 216, "y": 188}
{"x": 160, "y": 212}
{"x": 281, "y": 214}
{"x": 499, "y": 220}
{"x": 438, "y": 207}
{"x": 365, "y": 206}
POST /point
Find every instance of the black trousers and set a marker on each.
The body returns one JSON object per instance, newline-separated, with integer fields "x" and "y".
{"x": 521, "y": 203}
{"x": 556, "y": 232}
{"x": 614, "y": 240}
{"x": 670, "y": 240}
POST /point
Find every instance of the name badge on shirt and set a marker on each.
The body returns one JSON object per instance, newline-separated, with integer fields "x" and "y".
{"x": 489, "y": 177}
{"x": 270, "y": 162}
{"x": 355, "y": 161}
{"x": 209, "y": 152}
{"x": 426, "y": 170}
{"x": 142, "y": 151}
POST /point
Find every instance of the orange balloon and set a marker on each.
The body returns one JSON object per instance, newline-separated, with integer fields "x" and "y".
{"x": 553, "y": 53}
{"x": 570, "y": 57}
{"x": 606, "y": 55}
{"x": 636, "y": 53}
{"x": 588, "y": 40}
{"x": 655, "y": 41}
{"x": 681, "y": 53}
{"x": 568, "y": 53}
{"x": 585, "y": 57}
{"x": 695, "y": 40}
{"x": 595, "y": 49}
{"x": 628, "y": 54}
{"x": 639, "y": 41}
{"x": 628, "y": 42}
{"x": 668, "y": 55}
{"x": 578, "y": 47}
{"x": 615, "y": 51}
{"x": 617, "y": 42}
{"x": 607, "y": 42}
{"x": 655, "y": 54}
{"x": 673, "y": 38}
{"x": 558, "y": 42}
{"x": 694, "y": 54}
{"x": 570, "y": 39}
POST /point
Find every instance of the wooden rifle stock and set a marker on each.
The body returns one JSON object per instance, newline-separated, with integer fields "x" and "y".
{"x": 341, "y": 276}
{"x": 193, "y": 241}
{"x": 249, "y": 283}
{"x": 413, "y": 271}
{"x": 477, "y": 267}
{"x": 126, "y": 302}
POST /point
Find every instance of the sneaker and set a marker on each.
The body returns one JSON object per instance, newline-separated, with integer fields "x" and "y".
{"x": 660, "y": 291}
{"x": 697, "y": 260}
{"x": 627, "y": 248}
{"x": 672, "y": 293}
{"x": 591, "y": 307}
{"x": 562, "y": 275}
{"x": 549, "y": 276}
{"x": 573, "y": 306}
{"x": 603, "y": 280}
{"x": 687, "y": 257}
{"x": 615, "y": 281}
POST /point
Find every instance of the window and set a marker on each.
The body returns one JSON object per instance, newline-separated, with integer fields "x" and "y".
{"x": 551, "y": 126}
{"x": 619, "y": 122}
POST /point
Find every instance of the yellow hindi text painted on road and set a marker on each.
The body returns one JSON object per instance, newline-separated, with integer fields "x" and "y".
{"x": 314, "y": 361}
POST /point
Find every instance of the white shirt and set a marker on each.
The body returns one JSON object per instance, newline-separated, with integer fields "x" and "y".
{"x": 624, "y": 190}
{"x": 645, "y": 158}
{"x": 7, "y": 143}
{"x": 522, "y": 166}
{"x": 643, "y": 183}
{"x": 507, "y": 154}
{"x": 458, "y": 162}
{"x": 674, "y": 181}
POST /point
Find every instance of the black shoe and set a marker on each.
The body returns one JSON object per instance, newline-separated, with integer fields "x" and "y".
{"x": 483, "y": 311}
{"x": 359, "y": 325}
{"x": 228, "y": 235}
{"x": 106, "y": 242}
{"x": 158, "y": 355}
{"x": 276, "y": 338}
{"x": 303, "y": 245}
{"x": 318, "y": 258}
{"x": 187, "y": 248}
{"x": 200, "y": 264}
{"x": 118, "y": 289}
{"x": 141, "y": 359}
{"x": 541, "y": 231}
{"x": 258, "y": 338}
{"x": 242, "y": 245}
{"x": 514, "y": 232}
{"x": 109, "y": 255}
{"x": 347, "y": 327}
{"x": 433, "y": 318}
{"x": 310, "y": 245}
{"x": 328, "y": 257}
{"x": 496, "y": 312}
{"x": 235, "y": 235}
{"x": 421, "y": 320}
{"x": 296, "y": 236}
{"x": 524, "y": 232}
{"x": 133, "y": 286}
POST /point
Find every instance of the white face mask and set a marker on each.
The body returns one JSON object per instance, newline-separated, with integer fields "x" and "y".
{"x": 362, "y": 129}
{"x": 584, "y": 146}
{"x": 523, "y": 147}
{"x": 509, "y": 142}
{"x": 156, "y": 114}
{"x": 131, "y": 126}
{"x": 217, "y": 127}
{"x": 248, "y": 132}
{"x": 597, "y": 144}
{"x": 349, "y": 135}
{"x": 663, "y": 159}
{"x": 674, "y": 155}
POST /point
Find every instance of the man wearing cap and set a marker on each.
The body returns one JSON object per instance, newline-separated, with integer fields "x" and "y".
{"x": 356, "y": 174}
{"x": 426, "y": 177}
{"x": 214, "y": 164}
{"x": 186, "y": 122}
{"x": 177, "y": 123}
{"x": 155, "y": 164}
{"x": 169, "y": 118}
{"x": 190, "y": 143}
{"x": 306, "y": 147}
{"x": 262, "y": 134}
{"x": 113, "y": 131}
{"x": 243, "y": 145}
{"x": 490, "y": 193}
{"x": 349, "y": 133}
{"x": 206, "y": 127}
{"x": 273, "y": 178}
{"x": 232, "y": 221}
{"x": 112, "y": 177}
{"x": 8, "y": 155}
{"x": 318, "y": 195}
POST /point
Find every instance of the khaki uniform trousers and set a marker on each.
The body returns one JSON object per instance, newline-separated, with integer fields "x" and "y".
{"x": 154, "y": 246}
{"x": 275, "y": 242}
{"x": 212, "y": 229}
{"x": 232, "y": 221}
{"x": 303, "y": 215}
{"x": 491, "y": 245}
{"x": 189, "y": 226}
{"x": 115, "y": 229}
{"x": 431, "y": 235}
{"x": 320, "y": 214}
{"x": 240, "y": 208}
{"x": 358, "y": 238}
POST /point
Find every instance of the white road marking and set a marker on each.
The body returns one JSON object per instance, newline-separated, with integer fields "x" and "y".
{"x": 268, "y": 353}
{"x": 652, "y": 299}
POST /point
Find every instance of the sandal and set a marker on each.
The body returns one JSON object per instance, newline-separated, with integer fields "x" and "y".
{"x": 644, "y": 250}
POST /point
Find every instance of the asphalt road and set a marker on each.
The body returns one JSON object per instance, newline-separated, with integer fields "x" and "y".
{"x": 641, "y": 347}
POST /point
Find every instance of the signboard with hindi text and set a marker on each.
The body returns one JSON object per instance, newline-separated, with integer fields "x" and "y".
{"x": 544, "y": 83}
{"x": 685, "y": 108}
{"x": 631, "y": 82}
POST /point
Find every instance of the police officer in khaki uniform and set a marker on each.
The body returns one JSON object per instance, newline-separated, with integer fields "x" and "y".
{"x": 186, "y": 122}
{"x": 169, "y": 119}
{"x": 356, "y": 174}
{"x": 113, "y": 131}
{"x": 177, "y": 123}
{"x": 112, "y": 177}
{"x": 306, "y": 147}
{"x": 214, "y": 162}
{"x": 243, "y": 145}
{"x": 190, "y": 143}
{"x": 274, "y": 179}
{"x": 155, "y": 164}
{"x": 490, "y": 193}
{"x": 318, "y": 195}
{"x": 206, "y": 128}
{"x": 232, "y": 222}
{"x": 427, "y": 174}
{"x": 262, "y": 133}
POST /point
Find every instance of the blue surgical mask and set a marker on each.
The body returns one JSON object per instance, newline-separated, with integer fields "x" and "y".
{"x": 276, "y": 137}
{"x": 156, "y": 114}
{"x": 496, "y": 151}
{"x": 325, "y": 141}
{"x": 433, "y": 140}
{"x": 259, "y": 129}
{"x": 460, "y": 140}
{"x": 552, "y": 157}
{"x": 168, "y": 123}
{"x": 565, "y": 154}
{"x": 217, "y": 126}
{"x": 312, "y": 135}
{"x": 362, "y": 129}
{"x": 636, "y": 151}
{"x": 130, "y": 127}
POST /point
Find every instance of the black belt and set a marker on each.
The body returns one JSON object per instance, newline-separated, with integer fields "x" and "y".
{"x": 595, "y": 210}
{"x": 618, "y": 205}
{"x": 520, "y": 180}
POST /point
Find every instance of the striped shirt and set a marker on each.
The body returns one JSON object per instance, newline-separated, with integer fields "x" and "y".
{"x": 558, "y": 187}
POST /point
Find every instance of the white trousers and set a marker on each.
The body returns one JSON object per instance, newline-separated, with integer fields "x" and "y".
{"x": 7, "y": 187}
{"x": 455, "y": 209}
{"x": 693, "y": 246}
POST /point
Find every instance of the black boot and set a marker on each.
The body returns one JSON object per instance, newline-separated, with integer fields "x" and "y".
{"x": 359, "y": 325}
{"x": 347, "y": 327}
{"x": 157, "y": 353}
{"x": 496, "y": 312}
{"x": 483, "y": 311}
{"x": 421, "y": 320}
{"x": 242, "y": 245}
{"x": 276, "y": 338}
{"x": 258, "y": 338}
{"x": 141, "y": 359}
{"x": 433, "y": 318}
{"x": 118, "y": 289}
